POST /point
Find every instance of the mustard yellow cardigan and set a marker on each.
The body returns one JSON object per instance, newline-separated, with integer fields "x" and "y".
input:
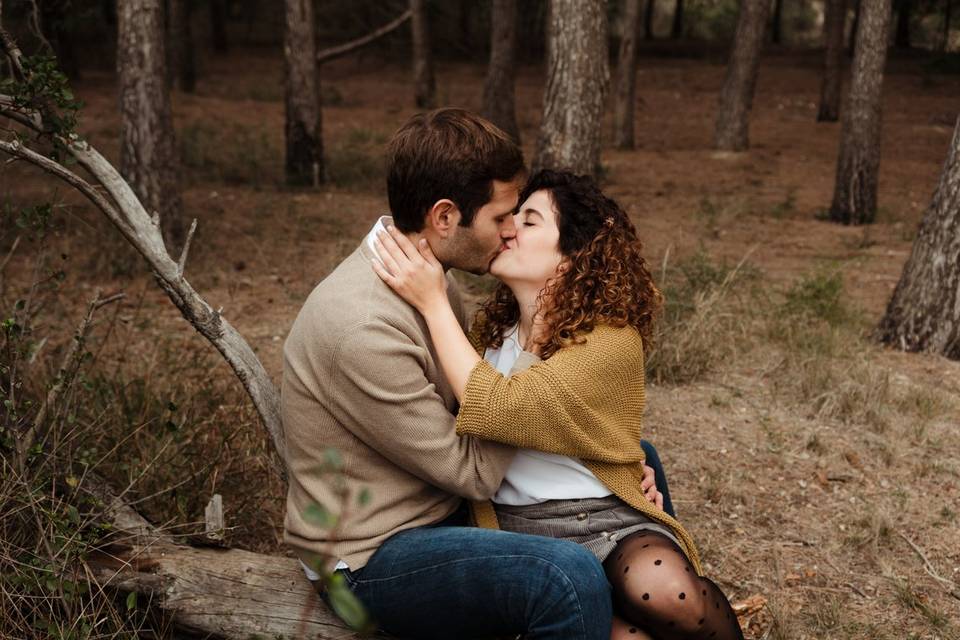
{"x": 584, "y": 401}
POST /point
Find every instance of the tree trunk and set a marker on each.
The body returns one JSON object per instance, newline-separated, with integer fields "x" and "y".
{"x": 210, "y": 592}
{"x": 424, "y": 85}
{"x": 648, "y": 20}
{"x": 833, "y": 26}
{"x": 676, "y": 32}
{"x": 303, "y": 130}
{"x": 148, "y": 153}
{"x": 182, "y": 71}
{"x": 776, "y": 35}
{"x": 924, "y": 312}
{"x": 577, "y": 78}
{"x": 736, "y": 97}
{"x": 904, "y": 9}
{"x": 854, "y": 28}
{"x": 498, "y": 91}
{"x": 218, "y": 25}
{"x": 945, "y": 38}
{"x": 626, "y": 97}
{"x": 858, "y": 165}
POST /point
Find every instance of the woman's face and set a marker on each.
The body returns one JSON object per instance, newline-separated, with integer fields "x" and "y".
{"x": 533, "y": 256}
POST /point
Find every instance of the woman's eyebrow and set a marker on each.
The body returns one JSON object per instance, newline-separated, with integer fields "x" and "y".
{"x": 530, "y": 210}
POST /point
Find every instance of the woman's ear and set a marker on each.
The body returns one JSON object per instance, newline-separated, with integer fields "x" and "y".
{"x": 443, "y": 217}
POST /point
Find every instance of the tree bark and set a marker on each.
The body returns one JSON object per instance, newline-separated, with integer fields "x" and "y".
{"x": 626, "y": 96}
{"x": 499, "y": 105}
{"x": 858, "y": 164}
{"x": 424, "y": 84}
{"x": 776, "y": 33}
{"x": 218, "y": 25}
{"x": 924, "y": 312}
{"x": 902, "y": 38}
{"x": 183, "y": 70}
{"x": 304, "y": 127}
{"x": 148, "y": 153}
{"x": 676, "y": 32}
{"x": 577, "y": 79}
{"x": 211, "y": 592}
{"x": 648, "y": 19}
{"x": 945, "y": 38}
{"x": 833, "y": 26}
{"x": 854, "y": 28}
{"x": 736, "y": 97}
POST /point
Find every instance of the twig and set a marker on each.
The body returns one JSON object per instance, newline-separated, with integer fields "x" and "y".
{"x": 954, "y": 589}
{"x": 13, "y": 249}
{"x": 342, "y": 49}
{"x": 186, "y": 248}
{"x": 70, "y": 359}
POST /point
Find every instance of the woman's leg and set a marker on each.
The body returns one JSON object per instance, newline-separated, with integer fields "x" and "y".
{"x": 623, "y": 630}
{"x": 656, "y": 589}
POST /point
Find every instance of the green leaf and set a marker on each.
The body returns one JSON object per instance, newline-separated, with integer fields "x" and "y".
{"x": 347, "y": 606}
{"x": 364, "y": 498}
{"x": 132, "y": 601}
{"x": 320, "y": 516}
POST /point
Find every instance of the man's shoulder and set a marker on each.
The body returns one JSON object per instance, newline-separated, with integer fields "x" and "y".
{"x": 349, "y": 298}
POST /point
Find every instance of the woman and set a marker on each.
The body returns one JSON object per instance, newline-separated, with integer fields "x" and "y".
{"x": 561, "y": 377}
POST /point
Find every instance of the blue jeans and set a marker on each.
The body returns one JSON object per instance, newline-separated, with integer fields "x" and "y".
{"x": 454, "y": 581}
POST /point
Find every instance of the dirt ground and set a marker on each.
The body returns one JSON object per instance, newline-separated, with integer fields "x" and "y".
{"x": 840, "y": 538}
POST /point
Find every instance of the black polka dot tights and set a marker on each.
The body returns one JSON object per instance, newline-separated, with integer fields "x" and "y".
{"x": 658, "y": 595}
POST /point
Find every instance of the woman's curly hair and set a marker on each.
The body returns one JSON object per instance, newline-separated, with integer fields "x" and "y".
{"x": 605, "y": 279}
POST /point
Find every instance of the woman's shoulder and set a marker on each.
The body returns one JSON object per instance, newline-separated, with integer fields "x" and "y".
{"x": 607, "y": 341}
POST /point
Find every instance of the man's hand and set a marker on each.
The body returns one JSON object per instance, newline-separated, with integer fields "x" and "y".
{"x": 649, "y": 487}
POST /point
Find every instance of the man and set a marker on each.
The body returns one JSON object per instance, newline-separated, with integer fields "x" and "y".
{"x": 361, "y": 377}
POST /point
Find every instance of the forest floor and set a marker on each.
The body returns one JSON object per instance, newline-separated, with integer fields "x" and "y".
{"x": 814, "y": 468}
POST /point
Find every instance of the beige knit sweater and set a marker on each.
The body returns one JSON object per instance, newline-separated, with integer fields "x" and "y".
{"x": 360, "y": 376}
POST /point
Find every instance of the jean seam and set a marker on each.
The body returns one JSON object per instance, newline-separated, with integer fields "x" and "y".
{"x": 570, "y": 583}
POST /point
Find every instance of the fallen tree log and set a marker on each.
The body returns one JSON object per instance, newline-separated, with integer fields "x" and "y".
{"x": 224, "y": 593}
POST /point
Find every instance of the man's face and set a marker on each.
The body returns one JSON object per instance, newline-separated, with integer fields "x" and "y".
{"x": 473, "y": 248}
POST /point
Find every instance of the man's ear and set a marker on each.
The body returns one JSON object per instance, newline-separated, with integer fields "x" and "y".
{"x": 443, "y": 217}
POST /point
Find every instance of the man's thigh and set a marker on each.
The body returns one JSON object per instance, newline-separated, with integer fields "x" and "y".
{"x": 449, "y": 582}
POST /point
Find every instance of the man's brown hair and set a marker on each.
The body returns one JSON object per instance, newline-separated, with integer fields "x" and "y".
{"x": 446, "y": 153}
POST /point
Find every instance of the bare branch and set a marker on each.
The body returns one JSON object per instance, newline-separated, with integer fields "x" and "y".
{"x": 16, "y": 149}
{"x": 27, "y": 117}
{"x": 71, "y": 360}
{"x": 13, "y": 53}
{"x": 186, "y": 248}
{"x": 343, "y": 49}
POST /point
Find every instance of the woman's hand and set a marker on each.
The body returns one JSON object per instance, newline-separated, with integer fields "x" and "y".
{"x": 412, "y": 271}
{"x": 649, "y": 487}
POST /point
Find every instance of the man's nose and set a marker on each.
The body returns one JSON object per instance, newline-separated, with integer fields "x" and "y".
{"x": 508, "y": 229}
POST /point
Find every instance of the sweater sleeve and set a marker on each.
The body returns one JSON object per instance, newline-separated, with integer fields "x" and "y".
{"x": 396, "y": 411}
{"x": 584, "y": 401}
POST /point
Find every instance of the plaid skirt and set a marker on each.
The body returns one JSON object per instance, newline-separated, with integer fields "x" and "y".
{"x": 596, "y": 523}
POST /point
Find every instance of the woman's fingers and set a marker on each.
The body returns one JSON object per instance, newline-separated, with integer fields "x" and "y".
{"x": 427, "y": 253}
{"x": 403, "y": 242}
{"x": 381, "y": 271}
{"x": 388, "y": 254}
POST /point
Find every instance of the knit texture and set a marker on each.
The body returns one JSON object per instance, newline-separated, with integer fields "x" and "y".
{"x": 585, "y": 401}
{"x": 361, "y": 378}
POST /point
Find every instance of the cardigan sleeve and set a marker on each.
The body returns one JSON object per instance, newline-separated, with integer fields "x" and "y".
{"x": 585, "y": 401}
